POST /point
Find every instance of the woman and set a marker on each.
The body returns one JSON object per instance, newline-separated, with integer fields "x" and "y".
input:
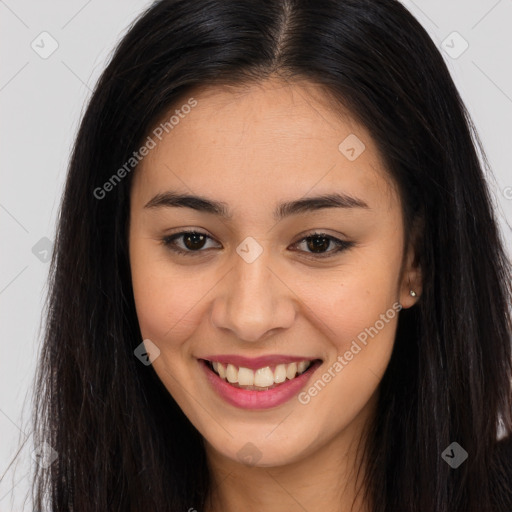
{"x": 278, "y": 283}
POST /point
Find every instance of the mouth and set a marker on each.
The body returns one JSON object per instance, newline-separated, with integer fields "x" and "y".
{"x": 264, "y": 378}
{"x": 259, "y": 383}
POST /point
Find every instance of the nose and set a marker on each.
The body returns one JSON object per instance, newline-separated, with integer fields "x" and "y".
{"x": 253, "y": 301}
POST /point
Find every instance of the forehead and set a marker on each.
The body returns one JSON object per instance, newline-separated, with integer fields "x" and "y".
{"x": 264, "y": 140}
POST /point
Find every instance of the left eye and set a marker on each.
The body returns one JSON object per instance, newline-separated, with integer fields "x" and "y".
{"x": 317, "y": 242}
{"x": 194, "y": 241}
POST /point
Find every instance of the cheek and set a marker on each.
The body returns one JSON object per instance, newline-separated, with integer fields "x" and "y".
{"x": 360, "y": 326}
{"x": 168, "y": 299}
{"x": 347, "y": 301}
{"x": 356, "y": 308}
{"x": 168, "y": 307}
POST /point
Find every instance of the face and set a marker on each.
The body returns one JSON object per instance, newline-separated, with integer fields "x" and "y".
{"x": 260, "y": 275}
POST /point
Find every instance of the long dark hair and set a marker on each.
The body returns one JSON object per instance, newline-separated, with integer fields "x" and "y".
{"x": 122, "y": 442}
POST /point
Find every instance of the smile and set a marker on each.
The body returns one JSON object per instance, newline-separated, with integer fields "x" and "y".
{"x": 264, "y": 385}
{"x": 260, "y": 379}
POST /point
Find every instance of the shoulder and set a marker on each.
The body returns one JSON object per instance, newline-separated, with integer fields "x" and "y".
{"x": 502, "y": 472}
{"x": 504, "y": 451}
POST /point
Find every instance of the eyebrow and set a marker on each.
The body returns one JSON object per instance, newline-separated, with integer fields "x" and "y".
{"x": 172, "y": 199}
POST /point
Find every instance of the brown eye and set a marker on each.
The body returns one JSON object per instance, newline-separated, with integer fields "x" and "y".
{"x": 192, "y": 242}
{"x": 317, "y": 245}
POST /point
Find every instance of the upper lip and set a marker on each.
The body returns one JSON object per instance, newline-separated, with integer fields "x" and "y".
{"x": 257, "y": 362}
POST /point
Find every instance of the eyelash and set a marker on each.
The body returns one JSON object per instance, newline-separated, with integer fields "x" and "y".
{"x": 342, "y": 245}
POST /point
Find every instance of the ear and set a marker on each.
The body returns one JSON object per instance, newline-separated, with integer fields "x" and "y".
{"x": 412, "y": 278}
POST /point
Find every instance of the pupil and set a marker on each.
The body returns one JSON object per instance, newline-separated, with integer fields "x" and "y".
{"x": 197, "y": 238}
{"x": 314, "y": 244}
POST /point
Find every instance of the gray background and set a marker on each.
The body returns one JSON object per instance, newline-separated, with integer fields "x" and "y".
{"x": 42, "y": 99}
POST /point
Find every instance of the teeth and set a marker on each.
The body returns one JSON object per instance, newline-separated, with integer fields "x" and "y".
{"x": 246, "y": 377}
{"x": 302, "y": 366}
{"x": 291, "y": 371}
{"x": 263, "y": 377}
{"x": 232, "y": 373}
{"x": 280, "y": 373}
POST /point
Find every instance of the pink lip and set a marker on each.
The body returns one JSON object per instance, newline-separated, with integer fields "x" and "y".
{"x": 247, "y": 399}
{"x": 256, "y": 362}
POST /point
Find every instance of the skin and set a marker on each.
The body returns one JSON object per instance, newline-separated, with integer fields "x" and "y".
{"x": 253, "y": 148}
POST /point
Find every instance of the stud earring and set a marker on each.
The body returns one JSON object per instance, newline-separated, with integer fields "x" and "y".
{"x": 412, "y": 293}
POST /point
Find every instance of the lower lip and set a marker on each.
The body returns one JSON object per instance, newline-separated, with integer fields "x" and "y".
{"x": 248, "y": 399}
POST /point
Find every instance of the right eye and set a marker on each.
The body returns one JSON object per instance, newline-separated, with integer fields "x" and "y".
{"x": 192, "y": 242}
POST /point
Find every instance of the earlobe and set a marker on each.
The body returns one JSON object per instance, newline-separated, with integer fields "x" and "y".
{"x": 411, "y": 286}
{"x": 415, "y": 285}
{"x": 410, "y": 291}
